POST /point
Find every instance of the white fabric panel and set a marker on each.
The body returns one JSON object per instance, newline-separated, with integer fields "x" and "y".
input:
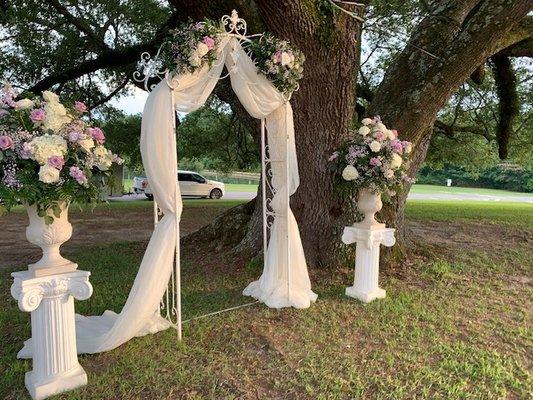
{"x": 187, "y": 93}
{"x": 262, "y": 100}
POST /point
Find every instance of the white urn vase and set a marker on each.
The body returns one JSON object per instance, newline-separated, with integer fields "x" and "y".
{"x": 369, "y": 204}
{"x": 49, "y": 237}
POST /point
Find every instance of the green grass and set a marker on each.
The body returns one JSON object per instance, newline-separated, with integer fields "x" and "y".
{"x": 434, "y": 189}
{"x": 515, "y": 214}
{"x": 456, "y": 325}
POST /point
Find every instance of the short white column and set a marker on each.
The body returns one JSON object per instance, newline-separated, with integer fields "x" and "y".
{"x": 368, "y": 241}
{"x": 50, "y": 299}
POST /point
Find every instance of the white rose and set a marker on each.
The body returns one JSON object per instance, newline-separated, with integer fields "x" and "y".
{"x": 389, "y": 134}
{"x": 24, "y": 104}
{"x": 103, "y": 158}
{"x": 86, "y": 144}
{"x": 389, "y": 173}
{"x": 195, "y": 60}
{"x": 396, "y": 161}
{"x": 48, "y": 174}
{"x": 408, "y": 149}
{"x": 364, "y": 130}
{"x": 286, "y": 58}
{"x": 366, "y": 121}
{"x": 380, "y": 127}
{"x": 50, "y": 96}
{"x": 202, "y": 49}
{"x": 350, "y": 173}
{"x": 375, "y": 146}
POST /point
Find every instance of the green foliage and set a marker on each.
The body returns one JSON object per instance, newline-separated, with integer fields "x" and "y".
{"x": 123, "y": 133}
{"x": 502, "y": 176}
{"x": 213, "y": 137}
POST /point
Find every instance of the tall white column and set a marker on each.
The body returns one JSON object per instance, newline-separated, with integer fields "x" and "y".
{"x": 368, "y": 241}
{"x": 50, "y": 300}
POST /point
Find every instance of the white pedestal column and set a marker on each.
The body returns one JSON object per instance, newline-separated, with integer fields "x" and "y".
{"x": 365, "y": 286}
{"x": 50, "y": 299}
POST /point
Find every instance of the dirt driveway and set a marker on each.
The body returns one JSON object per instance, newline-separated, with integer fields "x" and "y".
{"x": 103, "y": 225}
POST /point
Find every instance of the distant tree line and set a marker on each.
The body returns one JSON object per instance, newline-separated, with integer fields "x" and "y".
{"x": 503, "y": 176}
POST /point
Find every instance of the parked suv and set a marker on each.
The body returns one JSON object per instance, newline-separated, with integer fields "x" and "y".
{"x": 191, "y": 184}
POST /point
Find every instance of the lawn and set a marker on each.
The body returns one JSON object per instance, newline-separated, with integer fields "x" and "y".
{"x": 456, "y": 323}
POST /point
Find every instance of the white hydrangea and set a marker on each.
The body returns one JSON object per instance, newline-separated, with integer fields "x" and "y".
{"x": 56, "y": 116}
{"x": 408, "y": 149}
{"x": 396, "y": 161}
{"x": 48, "y": 174}
{"x": 380, "y": 127}
{"x": 366, "y": 121}
{"x": 388, "y": 173}
{"x": 103, "y": 158}
{"x": 375, "y": 146}
{"x": 350, "y": 173}
{"x": 287, "y": 59}
{"x": 364, "y": 130}
{"x": 46, "y": 146}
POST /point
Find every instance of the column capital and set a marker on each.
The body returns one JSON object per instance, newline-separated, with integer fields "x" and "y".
{"x": 369, "y": 237}
{"x": 30, "y": 291}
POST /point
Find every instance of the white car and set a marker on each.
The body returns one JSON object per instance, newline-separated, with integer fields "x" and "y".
{"x": 191, "y": 184}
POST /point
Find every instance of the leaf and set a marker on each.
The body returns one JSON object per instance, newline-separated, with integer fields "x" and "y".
{"x": 48, "y": 220}
{"x": 57, "y": 210}
{"x": 3, "y": 209}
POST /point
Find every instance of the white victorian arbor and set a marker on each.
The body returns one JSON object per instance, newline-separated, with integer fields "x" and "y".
{"x": 154, "y": 302}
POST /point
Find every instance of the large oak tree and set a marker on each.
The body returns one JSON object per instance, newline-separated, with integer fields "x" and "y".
{"x": 450, "y": 42}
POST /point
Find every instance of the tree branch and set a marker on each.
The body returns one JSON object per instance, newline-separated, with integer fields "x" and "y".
{"x": 112, "y": 94}
{"x": 450, "y": 130}
{"x": 79, "y": 23}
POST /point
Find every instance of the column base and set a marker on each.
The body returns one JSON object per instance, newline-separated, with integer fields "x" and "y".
{"x": 365, "y": 296}
{"x": 57, "y": 384}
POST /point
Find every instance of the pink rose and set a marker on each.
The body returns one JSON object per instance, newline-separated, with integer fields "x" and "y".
{"x": 278, "y": 56}
{"x": 80, "y": 106}
{"x": 56, "y": 161}
{"x": 97, "y": 134}
{"x": 397, "y": 146}
{"x": 37, "y": 115}
{"x": 380, "y": 136}
{"x": 395, "y": 133}
{"x": 6, "y": 142}
{"x": 209, "y": 42}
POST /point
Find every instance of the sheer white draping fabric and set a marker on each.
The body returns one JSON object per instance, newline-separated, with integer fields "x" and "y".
{"x": 262, "y": 100}
{"x": 186, "y": 93}
{"x": 140, "y": 315}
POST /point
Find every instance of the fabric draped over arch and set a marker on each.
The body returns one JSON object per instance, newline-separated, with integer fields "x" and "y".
{"x": 186, "y": 93}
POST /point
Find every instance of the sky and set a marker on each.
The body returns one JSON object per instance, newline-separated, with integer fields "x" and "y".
{"x": 132, "y": 103}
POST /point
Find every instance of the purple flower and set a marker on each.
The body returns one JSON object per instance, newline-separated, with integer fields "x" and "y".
{"x": 97, "y": 134}
{"x": 80, "y": 106}
{"x": 375, "y": 162}
{"x": 333, "y": 156}
{"x": 10, "y": 175}
{"x": 78, "y": 174}
{"x": 56, "y": 161}
{"x": 3, "y": 113}
{"x": 38, "y": 115}
{"x": 74, "y": 136}
{"x": 397, "y": 146}
{"x": 209, "y": 42}
{"x": 6, "y": 142}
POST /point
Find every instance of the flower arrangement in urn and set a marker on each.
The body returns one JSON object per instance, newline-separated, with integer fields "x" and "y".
{"x": 374, "y": 161}
{"x": 49, "y": 157}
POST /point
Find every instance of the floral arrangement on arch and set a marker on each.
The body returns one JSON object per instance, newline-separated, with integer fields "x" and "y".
{"x": 49, "y": 154}
{"x": 279, "y": 61}
{"x": 375, "y": 159}
{"x": 191, "y": 46}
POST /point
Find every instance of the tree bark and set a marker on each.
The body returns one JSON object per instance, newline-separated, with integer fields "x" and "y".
{"x": 447, "y": 47}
